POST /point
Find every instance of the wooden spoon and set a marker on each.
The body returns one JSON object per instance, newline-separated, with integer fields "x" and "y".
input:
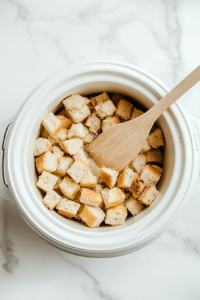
{"x": 116, "y": 147}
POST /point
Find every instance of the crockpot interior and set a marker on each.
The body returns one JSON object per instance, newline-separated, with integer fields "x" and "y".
{"x": 141, "y": 99}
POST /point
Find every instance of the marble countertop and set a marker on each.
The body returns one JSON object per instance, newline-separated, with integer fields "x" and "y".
{"x": 40, "y": 37}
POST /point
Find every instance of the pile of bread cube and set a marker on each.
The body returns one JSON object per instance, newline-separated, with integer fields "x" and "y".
{"x": 73, "y": 184}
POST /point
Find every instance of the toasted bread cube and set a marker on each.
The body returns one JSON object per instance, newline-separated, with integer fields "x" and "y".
{"x": 93, "y": 122}
{"x": 109, "y": 176}
{"x": 69, "y": 187}
{"x": 53, "y": 142}
{"x": 109, "y": 122}
{"x": 112, "y": 197}
{"x": 159, "y": 169}
{"x": 42, "y": 145}
{"x": 148, "y": 195}
{"x": 136, "y": 113}
{"x": 105, "y": 109}
{"x": 77, "y": 216}
{"x": 90, "y": 197}
{"x": 44, "y": 133}
{"x": 51, "y": 199}
{"x": 89, "y": 138}
{"x": 78, "y": 170}
{"x": 92, "y": 216}
{"x": 63, "y": 112}
{"x": 125, "y": 178}
{"x": 99, "y": 187}
{"x": 124, "y": 109}
{"x": 116, "y": 98}
{"x": 80, "y": 154}
{"x": 77, "y": 130}
{"x": 58, "y": 153}
{"x": 79, "y": 116}
{"x": 66, "y": 122}
{"x": 72, "y": 146}
{"x": 146, "y": 147}
{"x": 56, "y": 185}
{"x": 150, "y": 175}
{"x": 76, "y": 102}
{"x": 138, "y": 163}
{"x": 93, "y": 167}
{"x": 134, "y": 206}
{"x": 156, "y": 138}
{"x": 61, "y": 135}
{"x": 46, "y": 162}
{"x": 51, "y": 123}
{"x": 67, "y": 208}
{"x": 46, "y": 181}
{"x": 64, "y": 164}
{"x": 116, "y": 215}
{"x": 137, "y": 186}
{"x": 88, "y": 180}
{"x": 154, "y": 156}
{"x": 100, "y": 98}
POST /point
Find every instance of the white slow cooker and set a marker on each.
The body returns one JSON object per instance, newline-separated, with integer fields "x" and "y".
{"x": 180, "y": 179}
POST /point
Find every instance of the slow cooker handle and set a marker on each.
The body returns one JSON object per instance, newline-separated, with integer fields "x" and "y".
{"x": 4, "y": 130}
{"x": 195, "y": 128}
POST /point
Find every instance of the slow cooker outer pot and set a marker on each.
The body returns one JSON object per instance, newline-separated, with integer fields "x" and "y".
{"x": 67, "y": 235}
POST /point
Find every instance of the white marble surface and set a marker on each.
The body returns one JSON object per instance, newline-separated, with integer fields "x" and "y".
{"x": 38, "y": 38}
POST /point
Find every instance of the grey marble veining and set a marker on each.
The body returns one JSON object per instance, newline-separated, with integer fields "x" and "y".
{"x": 39, "y": 38}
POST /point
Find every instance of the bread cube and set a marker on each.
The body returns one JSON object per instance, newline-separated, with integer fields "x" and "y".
{"x": 51, "y": 199}
{"x": 136, "y": 113}
{"x": 90, "y": 197}
{"x": 92, "y": 216}
{"x": 93, "y": 122}
{"x": 109, "y": 176}
{"x": 46, "y": 162}
{"x": 75, "y": 102}
{"x": 80, "y": 154}
{"x": 100, "y": 98}
{"x": 125, "y": 178}
{"x": 150, "y": 175}
{"x": 134, "y": 206}
{"x": 64, "y": 164}
{"x": 44, "y": 133}
{"x": 46, "y": 181}
{"x": 89, "y": 138}
{"x": 69, "y": 187}
{"x": 93, "y": 167}
{"x": 67, "y": 208}
{"x": 88, "y": 180}
{"x": 51, "y": 123}
{"x": 78, "y": 170}
{"x": 154, "y": 156}
{"x": 138, "y": 163}
{"x": 105, "y": 109}
{"x": 148, "y": 195}
{"x": 77, "y": 216}
{"x": 112, "y": 197}
{"x": 66, "y": 122}
{"x": 79, "y": 116}
{"x": 42, "y": 145}
{"x": 146, "y": 147}
{"x": 116, "y": 98}
{"x": 53, "y": 142}
{"x": 159, "y": 169}
{"x": 63, "y": 112}
{"x": 99, "y": 187}
{"x": 124, "y": 109}
{"x": 156, "y": 139}
{"x": 77, "y": 130}
{"x": 61, "y": 135}
{"x": 116, "y": 215}
{"x": 58, "y": 153}
{"x": 109, "y": 122}
{"x": 137, "y": 186}
{"x": 56, "y": 185}
{"x": 72, "y": 146}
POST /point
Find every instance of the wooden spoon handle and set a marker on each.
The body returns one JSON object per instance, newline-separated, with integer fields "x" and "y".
{"x": 174, "y": 94}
